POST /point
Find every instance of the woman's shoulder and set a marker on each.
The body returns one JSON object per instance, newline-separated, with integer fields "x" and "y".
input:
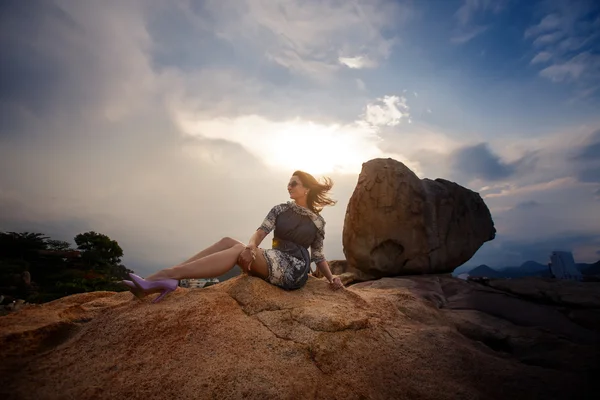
{"x": 316, "y": 218}
{"x": 319, "y": 222}
{"x": 279, "y": 208}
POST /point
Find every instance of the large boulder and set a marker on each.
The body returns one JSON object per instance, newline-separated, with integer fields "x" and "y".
{"x": 421, "y": 337}
{"x": 398, "y": 224}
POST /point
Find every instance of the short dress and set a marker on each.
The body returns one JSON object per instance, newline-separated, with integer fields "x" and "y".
{"x": 296, "y": 229}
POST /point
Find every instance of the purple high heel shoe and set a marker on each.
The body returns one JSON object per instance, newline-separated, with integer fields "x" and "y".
{"x": 165, "y": 286}
{"x": 137, "y": 292}
{"x": 133, "y": 289}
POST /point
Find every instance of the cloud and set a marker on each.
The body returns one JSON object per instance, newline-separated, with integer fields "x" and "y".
{"x": 36, "y": 73}
{"x": 470, "y": 11}
{"x": 291, "y": 143}
{"x": 170, "y": 125}
{"x": 360, "y": 84}
{"x": 357, "y": 62}
{"x": 94, "y": 141}
{"x": 566, "y": 219}
{"x": 548, "y": 39}
{"x": 540, "y": 250}
{"x": 470, "y": 8}
{"x": 590, "y": 174}
{"x": 541, "y": 57}
{"x": 569, "y": 32}
{"x": 387, "y": 111}
{"x": 509, "y": 190}
{"x": 309, "y": 37}
{"x": 478, "y": 161}
{"x": 587, "y": 159}
{"x": 591, "y": 150}
{"x": 467, "y": 35}
{"x": 549, "y": 23}
{"x": 528, "y": 204}
{"x": 581, "y": 65}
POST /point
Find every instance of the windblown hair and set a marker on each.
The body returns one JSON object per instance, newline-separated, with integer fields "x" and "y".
{"x": 317, "y": 195}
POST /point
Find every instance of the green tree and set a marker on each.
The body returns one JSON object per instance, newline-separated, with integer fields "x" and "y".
{"x": 58, "y": 245}
{"x": 21, "y": 246}
{"x": 101, "y": 254}
{"x": 55, "y": 269}
{"x": 98, "y": 249}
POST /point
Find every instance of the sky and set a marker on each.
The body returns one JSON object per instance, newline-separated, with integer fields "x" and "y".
{"x": 167, "y": 125}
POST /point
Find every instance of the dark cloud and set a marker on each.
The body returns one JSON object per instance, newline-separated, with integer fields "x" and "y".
{"x": 591, "y": 151}
{"x": 528, "y": 205}
{"x": 30, "y": 74}
{"x": 63, "y": 229}
{"x": 591, "y": 174}
{"x": 586, "y": 159}
{"x": 515, "y": 252}
{"x": 480, "y": 162}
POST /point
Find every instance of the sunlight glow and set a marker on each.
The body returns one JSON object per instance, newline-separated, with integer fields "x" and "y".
{"x": 322, "y": 149}
{"x": 295, "y": 144}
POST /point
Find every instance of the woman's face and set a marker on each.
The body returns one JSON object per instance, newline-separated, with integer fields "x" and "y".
{"x": 295, "y": 188}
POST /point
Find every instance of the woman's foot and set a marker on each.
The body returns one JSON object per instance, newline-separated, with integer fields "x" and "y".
{"x": 137, "y": 292}
{"x": 164, "y": 286}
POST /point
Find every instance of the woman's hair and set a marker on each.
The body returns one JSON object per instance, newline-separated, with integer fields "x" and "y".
{"x": 317, "y": 195}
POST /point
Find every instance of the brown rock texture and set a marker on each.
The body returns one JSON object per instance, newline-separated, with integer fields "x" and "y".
{"x": 397, "y": 224}
{"x": 422, "y": 337}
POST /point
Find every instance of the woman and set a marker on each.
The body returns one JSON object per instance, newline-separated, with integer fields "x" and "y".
{"x": 298, "y": 225}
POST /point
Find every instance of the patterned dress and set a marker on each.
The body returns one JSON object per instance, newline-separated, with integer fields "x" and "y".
{"x": 296, "y": 229}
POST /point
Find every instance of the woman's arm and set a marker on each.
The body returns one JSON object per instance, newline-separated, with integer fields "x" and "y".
{"x": 247, "y": 256}
{"x": 256, "y": 238}
{"x": 323, "y": 266}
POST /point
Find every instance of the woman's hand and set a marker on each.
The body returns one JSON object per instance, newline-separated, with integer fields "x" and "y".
{"x": 336, "y": 283}
{"x": 245, "y": 258}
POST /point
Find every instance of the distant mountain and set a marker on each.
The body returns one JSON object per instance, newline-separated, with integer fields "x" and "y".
{"x": 484, "y": 270}
{"x": 528, "y": 268}
{"x": 462, "y": 269}
{"x": 589, "y": 269}
{"x": 533, "y": 266}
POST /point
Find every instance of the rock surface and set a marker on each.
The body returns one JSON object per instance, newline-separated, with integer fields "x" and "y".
{"x": 398, "y": 224}
{"x": 426, "y": 337}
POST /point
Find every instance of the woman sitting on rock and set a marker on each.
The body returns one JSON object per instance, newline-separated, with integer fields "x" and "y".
{"x": 298, "y": 225}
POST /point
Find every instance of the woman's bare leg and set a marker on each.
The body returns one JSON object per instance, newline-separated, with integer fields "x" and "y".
{"x": 223, "y": 244}
{"x": 209, "y": 266}
{"x": 259, "y": 265}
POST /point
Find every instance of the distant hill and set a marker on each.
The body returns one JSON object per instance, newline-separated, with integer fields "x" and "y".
{"x": 589, "y": 269}
{"x": 484, "y": 270}
{"x": 528, "y": 268}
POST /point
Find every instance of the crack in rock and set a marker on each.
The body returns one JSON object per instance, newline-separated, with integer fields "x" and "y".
{"x": 277, "y": 335}
{"x": 354, "y": 325}
{"x": 361, "y": 326}
{"x": 306, "y": 346}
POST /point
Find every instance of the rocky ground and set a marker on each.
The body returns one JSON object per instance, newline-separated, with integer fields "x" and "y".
{"x": 417, "y": 337}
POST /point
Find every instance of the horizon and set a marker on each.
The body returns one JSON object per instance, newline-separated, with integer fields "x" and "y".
{"x": 168, "y": 125}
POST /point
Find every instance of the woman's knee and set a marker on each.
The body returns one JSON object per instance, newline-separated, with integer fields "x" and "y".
{"x": 239, "y": 246}
{"x": 229, "y": 242}
{"x": 240, "y": 262}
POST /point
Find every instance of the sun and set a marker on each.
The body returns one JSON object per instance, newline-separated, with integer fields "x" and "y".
{"x": 294, "y": 144}
{"x": 321, "y": 149}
